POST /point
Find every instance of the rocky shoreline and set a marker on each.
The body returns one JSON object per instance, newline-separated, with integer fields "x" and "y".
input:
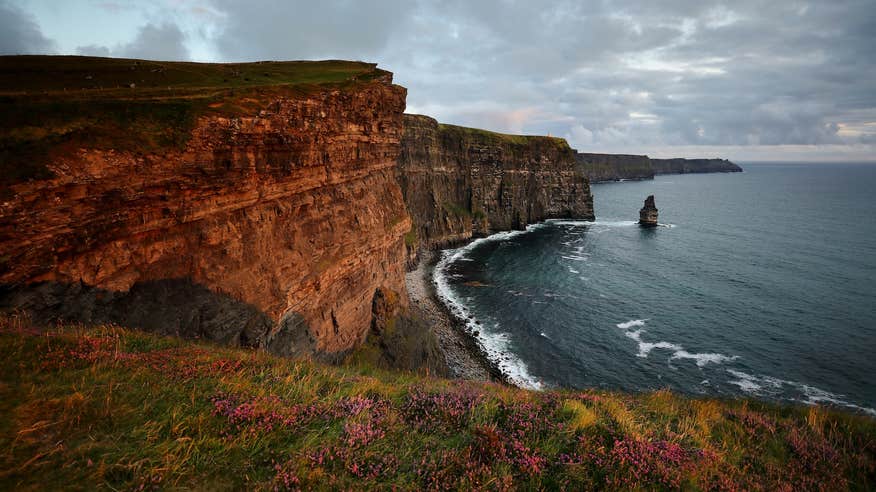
{"x": 463, "y": 355}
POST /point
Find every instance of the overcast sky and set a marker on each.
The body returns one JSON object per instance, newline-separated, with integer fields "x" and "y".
{"x": 747, "y": 80}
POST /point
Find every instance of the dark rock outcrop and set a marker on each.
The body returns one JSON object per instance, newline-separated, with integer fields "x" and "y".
{"x": 648, "y": 213}
{"x": 614, "y": 167}
{"x": 459, "y": 182}
{"x": 398, "y": 340}
{"x": 686, "y": 166}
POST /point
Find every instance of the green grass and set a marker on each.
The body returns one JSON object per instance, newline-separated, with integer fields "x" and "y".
{"x": 411, "y": 237}
{"x": 98, "y": 76}
{"x": 494, "y": 138}
{"x": 53, "y": 105}
{"x": 105, "y": 408}
{"x": 456, "y": 209}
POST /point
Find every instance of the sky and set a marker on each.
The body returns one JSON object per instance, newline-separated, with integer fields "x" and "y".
{"x": 745, "y": 80}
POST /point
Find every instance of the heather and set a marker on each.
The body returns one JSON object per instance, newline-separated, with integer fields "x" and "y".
{"x": 106, "y": 408}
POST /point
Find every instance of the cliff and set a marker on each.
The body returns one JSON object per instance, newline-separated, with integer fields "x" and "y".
{"x": 685, "y": 166}
{"x": 614, "y": 167}
{"x": 251, "y": 204}
{"x": 462, "y": 182}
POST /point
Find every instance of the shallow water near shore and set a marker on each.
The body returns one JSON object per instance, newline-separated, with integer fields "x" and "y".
{"x": 760, "y": 284}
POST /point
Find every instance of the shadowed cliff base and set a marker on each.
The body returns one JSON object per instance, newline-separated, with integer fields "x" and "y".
{"x": 400, "y": 338}
{"x": 182, "y": 308}
{"x": 177, "y": 307}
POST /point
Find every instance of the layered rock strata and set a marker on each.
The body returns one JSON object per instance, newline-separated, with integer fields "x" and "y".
{"x": 274, "y": 228}
{"x": 459, "y": 182}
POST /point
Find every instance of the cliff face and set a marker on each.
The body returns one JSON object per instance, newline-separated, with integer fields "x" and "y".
{"x": 614, "y": 167}
{"x": 685, "y": 166}
{"x": 274, "y": 228}
{"x": 462, "y": 182}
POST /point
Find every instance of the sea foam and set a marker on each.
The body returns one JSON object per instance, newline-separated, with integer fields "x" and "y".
{"x": 678, "y": 352}
{"x": 629, "y": 324}
{"x": 803, "y": 393}
{"x": 495, "y": 344}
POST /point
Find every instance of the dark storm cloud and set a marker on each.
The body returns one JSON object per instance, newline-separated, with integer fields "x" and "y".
{"x": 20, "y": 34}
{"x": 152, "y": 42}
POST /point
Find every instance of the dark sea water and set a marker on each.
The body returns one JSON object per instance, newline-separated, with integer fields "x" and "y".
{"x": 760, "y": 284}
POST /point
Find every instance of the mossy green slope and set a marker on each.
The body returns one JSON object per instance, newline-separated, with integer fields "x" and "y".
{"x": 106, "y": 408}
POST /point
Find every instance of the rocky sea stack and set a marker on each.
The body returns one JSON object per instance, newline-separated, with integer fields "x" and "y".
{"x": 648, "y": 213}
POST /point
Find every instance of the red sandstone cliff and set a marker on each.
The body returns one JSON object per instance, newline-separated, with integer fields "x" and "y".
{"x": 286, "y": 219}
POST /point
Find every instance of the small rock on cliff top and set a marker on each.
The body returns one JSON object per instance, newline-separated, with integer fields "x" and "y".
{"x": 648, "y": 213}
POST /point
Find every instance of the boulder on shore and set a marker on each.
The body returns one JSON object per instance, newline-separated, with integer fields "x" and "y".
{"x": 648, "y": 213}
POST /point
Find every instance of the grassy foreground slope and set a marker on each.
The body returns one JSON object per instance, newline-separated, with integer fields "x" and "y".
{"x": 108, "y": 408}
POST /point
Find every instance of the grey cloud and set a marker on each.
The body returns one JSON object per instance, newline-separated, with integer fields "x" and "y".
{"x": 284, "y": 30}
{"x": 152, "y": 42}
{"x": 20, "y": 34}
{"x": 93, "y": 50}
{"x": 157, "y": 42}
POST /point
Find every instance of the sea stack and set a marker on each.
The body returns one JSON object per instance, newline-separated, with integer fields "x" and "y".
{"x": 648, "y": 213}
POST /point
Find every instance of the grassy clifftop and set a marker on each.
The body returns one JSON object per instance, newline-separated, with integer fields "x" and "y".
{"x": 56, "y": 104}
{"x": 94, "y": 76}
{"x": 108, "y": 408}
{"x": 493, "y": 138}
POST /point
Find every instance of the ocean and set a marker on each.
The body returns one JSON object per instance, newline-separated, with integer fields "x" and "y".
{"x": 758, "y": 284}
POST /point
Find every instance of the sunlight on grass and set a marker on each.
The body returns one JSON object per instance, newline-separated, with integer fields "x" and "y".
{"x": 582, "y": 417}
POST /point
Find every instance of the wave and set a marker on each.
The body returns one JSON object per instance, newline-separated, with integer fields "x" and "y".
{"x": 810, "y": 395}
{"x": 495, "y": 344}
{"x": 704, "y": 358}
{"x": 575, "y": 257}
{"x": 632, "y": 323}
{"x": 678, "y": 352}
{"x": 584, "y": 223}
